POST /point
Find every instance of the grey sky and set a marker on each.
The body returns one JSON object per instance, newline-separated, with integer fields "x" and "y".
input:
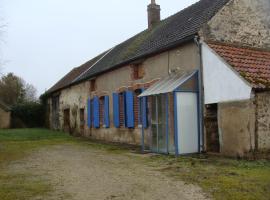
{"x": 44, "y": 39}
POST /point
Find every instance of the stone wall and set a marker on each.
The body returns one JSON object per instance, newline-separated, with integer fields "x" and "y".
{"x": 236, "y": 122}
{"x": 212, "y": 141}
{"x": 241, "y": 21}
{"x": 74, "y": 99}
{"x": 263, "y": 120}
{"x": 182, "y": 58}
{"x": 4, "y": 119}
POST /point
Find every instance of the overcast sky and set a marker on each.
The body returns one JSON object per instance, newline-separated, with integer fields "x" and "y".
{"x": 45, "y": 39}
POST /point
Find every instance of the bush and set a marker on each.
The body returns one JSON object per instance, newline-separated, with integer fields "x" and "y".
{"x": 30, "y": 115}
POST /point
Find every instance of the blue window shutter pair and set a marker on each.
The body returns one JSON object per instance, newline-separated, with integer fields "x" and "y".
{"x": 106, "y": 112}
{"x": 129, "y": 109}
{"x": 89, "y": 113}
{"x": 116, "y": 113}
{"x": 96, "y": 112}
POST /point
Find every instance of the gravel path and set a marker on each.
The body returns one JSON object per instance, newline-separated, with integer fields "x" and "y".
{"x": 82, "y": 173}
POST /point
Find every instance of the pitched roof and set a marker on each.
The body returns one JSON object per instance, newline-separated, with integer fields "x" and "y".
{"x": 252, "y": 64}
{"x": 73, "y": 74}
{"x": 167, "y": 34}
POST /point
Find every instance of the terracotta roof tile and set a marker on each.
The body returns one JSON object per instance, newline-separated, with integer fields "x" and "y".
{"x": 252, "y": 64}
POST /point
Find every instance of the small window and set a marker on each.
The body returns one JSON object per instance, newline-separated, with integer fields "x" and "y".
{"x": 93, "y": 85}
{"x": 137, "y": 71}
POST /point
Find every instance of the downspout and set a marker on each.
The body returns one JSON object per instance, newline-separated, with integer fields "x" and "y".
{"x": 201, "y": 97}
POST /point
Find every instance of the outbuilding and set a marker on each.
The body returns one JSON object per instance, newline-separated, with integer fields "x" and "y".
{"x": 5, "y": 115}
{"x": 179, "y": 131}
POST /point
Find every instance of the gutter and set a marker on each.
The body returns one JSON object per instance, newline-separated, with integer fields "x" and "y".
{"x": 201, "y": 96}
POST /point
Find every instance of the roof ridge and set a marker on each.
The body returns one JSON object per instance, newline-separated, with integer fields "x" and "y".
{"x": 170, "y": 32}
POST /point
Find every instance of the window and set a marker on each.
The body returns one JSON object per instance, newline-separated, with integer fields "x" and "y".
{"x": 122, "y": 111}
{"x": 101, "y": 110}
{"x": 93, "y": 85}
{"x": 123, "y": 108}
{"x": 137, "y": 71}
{"x": 137, "y": 118}
{"x": 96, "y": 111}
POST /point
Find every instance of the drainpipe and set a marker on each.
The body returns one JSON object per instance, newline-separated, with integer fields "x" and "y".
{"x": 201, "y": 97}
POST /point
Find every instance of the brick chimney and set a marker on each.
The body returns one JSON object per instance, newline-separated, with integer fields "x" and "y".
{"x": 153, "y": 14}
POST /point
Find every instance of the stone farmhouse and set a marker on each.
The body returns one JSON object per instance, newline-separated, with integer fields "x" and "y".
{"x": 197, "y": 81}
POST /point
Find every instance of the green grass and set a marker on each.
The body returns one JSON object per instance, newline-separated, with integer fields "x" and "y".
{"x": 222, "y": 178}
{"x": 16, "y": 144}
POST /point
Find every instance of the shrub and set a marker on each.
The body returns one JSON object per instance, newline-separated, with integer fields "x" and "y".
{"x": 28, "y": 115}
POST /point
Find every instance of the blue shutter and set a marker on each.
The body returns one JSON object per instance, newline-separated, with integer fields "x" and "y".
{"x": 124, "y": 108}
{"x": 144, "y": 112}
{"x": 129, "y": 109}
{"x": 89, "y": 113}
{"x": 96, "y": 112}
{"x": 116, "y": 114}
{"x": 106, "y": 112}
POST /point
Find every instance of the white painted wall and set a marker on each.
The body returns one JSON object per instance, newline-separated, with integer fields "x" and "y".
{"x": 221, "y": 82}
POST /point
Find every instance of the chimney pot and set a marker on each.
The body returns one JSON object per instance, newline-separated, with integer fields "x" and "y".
{"x": 153, "y": 14}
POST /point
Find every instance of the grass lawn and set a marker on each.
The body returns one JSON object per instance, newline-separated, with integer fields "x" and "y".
{"x": 220, "y": 177}
{"x": 15, "y": 145}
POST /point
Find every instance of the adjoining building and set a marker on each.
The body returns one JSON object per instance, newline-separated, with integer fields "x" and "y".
{"x": 5, "y": 116}
{"x": 196, "y": 81}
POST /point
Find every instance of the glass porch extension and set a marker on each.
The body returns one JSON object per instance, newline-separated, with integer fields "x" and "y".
{"x": 168, "y": 102}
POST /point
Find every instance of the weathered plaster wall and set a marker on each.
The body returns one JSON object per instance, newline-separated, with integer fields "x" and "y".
{"x": 73, "y": 98}
{"x": 4, "y": 119}
{"x": 241, "y": 21}
{"x": 236, "y": 122}
{"x": 263, "y": 120}
{"x": 183, "y": 58}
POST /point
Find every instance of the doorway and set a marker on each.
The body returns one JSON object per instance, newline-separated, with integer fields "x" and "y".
{"x": 67, "y": 120}
{"x": 211, "y": 126}
{"x": 159, "y": 124}
{"x": 187, "y": 123}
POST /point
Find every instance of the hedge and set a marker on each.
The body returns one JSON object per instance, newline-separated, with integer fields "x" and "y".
{"x": 28, "y": 115}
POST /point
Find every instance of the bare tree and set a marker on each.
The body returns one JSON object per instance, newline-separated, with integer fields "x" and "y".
{"x": 30, "y": 93}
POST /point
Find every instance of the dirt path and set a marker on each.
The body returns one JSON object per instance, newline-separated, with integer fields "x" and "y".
{"x": 81, "y": 173}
